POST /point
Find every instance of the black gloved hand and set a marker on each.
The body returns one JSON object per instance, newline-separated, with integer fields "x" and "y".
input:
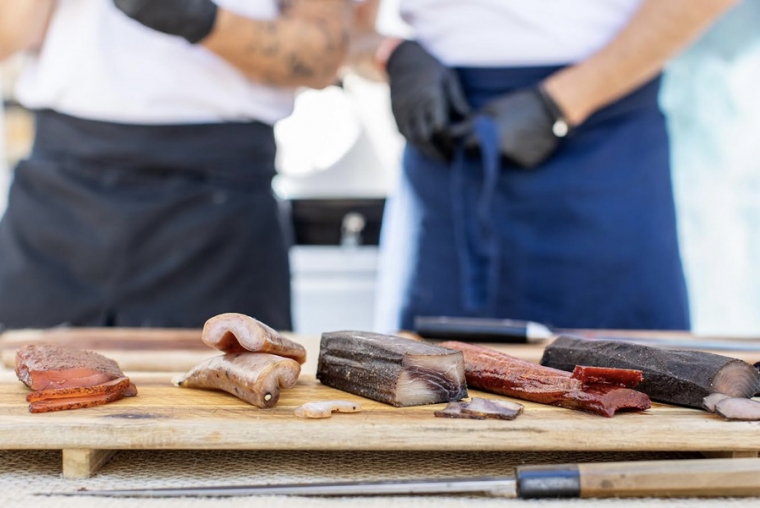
{"x": 426, "y": 98}
{"x": 530, "y": 125}
{"x": 191, "y": 19}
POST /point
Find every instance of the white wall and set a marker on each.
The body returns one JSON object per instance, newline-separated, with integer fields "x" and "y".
{"x": 712, "y": 99}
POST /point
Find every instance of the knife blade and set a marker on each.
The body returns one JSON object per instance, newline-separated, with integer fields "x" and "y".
{"x": 512, "y": 331}
{"x": 667, "y": 478}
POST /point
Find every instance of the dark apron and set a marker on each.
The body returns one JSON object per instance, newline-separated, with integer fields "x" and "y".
{"x": 134, "y": 225}
{"x": 587, "y": 240}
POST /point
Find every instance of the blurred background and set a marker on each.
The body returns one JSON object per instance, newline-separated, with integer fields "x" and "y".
{"x": 339, "y": 155}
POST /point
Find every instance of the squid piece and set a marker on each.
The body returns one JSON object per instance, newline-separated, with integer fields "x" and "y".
{"x": 325, "y": 409}
{"x": 389, "y": 369}
{"x": 238, "y": 333}
{"x": 253, "y": 377}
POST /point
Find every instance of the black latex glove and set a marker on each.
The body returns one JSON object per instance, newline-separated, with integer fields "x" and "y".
{"x": 530, "y": 125}
{"x": 191, "y": 19}
{"x": 426, "y": 98}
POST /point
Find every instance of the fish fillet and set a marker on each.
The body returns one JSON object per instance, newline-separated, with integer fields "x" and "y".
{"x": 389, "y": 369}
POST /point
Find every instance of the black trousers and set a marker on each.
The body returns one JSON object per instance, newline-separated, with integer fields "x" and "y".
{"x": 131, "y": 225}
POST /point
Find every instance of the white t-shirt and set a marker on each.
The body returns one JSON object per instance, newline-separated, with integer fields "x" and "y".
{"x": 509, "y": 33}
{"x": 99, "y": 64}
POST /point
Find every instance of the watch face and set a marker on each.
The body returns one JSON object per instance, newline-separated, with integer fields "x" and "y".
{"x": 560, "y": 128}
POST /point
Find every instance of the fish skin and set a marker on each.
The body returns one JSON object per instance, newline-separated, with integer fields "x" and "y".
{"x": 671, "y": 376}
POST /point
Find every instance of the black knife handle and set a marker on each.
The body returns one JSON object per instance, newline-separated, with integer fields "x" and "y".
{"x": 471, "y": 329}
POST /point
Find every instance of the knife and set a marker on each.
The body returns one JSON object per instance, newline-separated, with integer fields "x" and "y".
{"x": 529, "y": 332}
{"x": 673, "y": 478}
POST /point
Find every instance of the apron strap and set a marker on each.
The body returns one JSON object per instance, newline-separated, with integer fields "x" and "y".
{"x": 475, "y": 236}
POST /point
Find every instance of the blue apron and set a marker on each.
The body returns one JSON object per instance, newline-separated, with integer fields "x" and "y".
{"x": 586, "y": 240}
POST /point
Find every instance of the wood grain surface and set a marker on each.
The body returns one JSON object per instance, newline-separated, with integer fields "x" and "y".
{"x": 166, "y": 417}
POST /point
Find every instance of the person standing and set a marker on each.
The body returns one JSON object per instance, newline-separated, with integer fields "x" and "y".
{"x": 147, "y": 199}
{"x": 536, "y": 179}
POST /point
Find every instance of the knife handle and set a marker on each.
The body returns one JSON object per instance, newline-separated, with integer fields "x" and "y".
{"x": 667, "y": 478}
{"x": 471, "y": 329}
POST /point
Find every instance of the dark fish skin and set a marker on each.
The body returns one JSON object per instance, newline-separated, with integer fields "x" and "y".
{"x": 379, "y": 367}
{"x": 677, "y": 377}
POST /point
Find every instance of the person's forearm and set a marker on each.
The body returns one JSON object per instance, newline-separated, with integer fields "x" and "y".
{"x": 365, "y": 43}
{"x": 656, "y": 33}
{"x": 23, "y": 24}
{"x": 305, "y": 46}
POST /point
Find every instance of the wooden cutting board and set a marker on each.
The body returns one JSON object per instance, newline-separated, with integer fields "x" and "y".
{"x": 163, "y": 416}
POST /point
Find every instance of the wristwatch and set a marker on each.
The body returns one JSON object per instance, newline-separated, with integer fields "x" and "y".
{"x": 560, "y": 127}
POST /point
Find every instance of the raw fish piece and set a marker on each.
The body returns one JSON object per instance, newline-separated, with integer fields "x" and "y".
{"x": 325, "y": 408}
{"x": 672, "y": 376}
{"x": 238, "y": 333}
{"x": 496, "y": 372}
{"x": 253, "y": 377}
{"x": 389, "y": 369}
{"x": 739, "y": 409}
{"x": 709, "y": 402}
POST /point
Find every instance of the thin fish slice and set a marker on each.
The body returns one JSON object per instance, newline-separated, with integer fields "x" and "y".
{"x": 709, "y": 402}
{"x": 454, "y": 410}
{"x": 389, "y": 369}
{"x": 117, "y": 385}
{"x": 238, "y": 333}
{"x": 747, "y": 410}
{"x": 325, "y": 408}
{"x": 253, "y": 377}
{"x": 671, "y": 376}
{"x": 84, "y": 401}
{"x": 490, "y": 408}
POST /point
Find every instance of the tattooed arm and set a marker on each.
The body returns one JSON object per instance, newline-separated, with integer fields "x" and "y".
{"x": 365, "y": 42}
{"x": 304, "y": 46}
